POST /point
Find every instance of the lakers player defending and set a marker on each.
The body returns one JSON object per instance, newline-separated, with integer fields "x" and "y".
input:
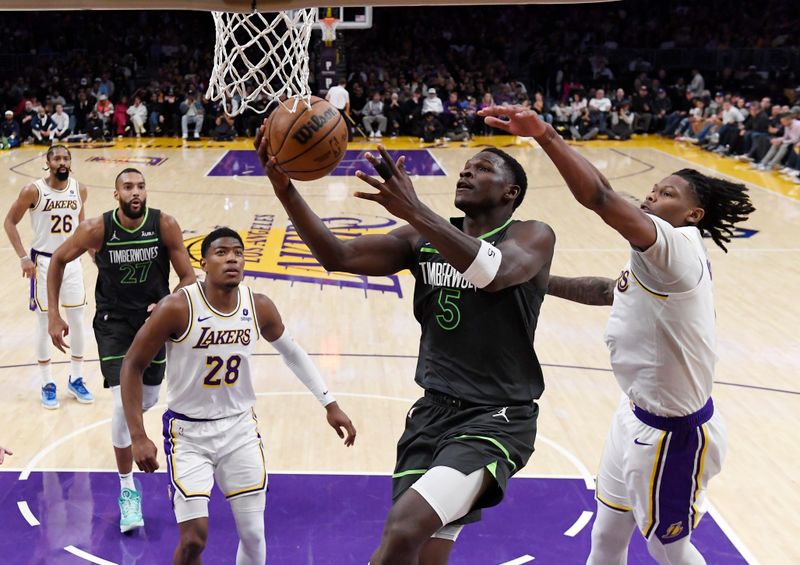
{"x": 55, "y": 204}
{"x": 666, "y": 440}
{"x": 210, "y": 428}
{"x": 133, "y": 246}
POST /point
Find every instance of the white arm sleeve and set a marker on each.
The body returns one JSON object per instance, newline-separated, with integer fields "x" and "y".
{"x": 673, "y": 263}
{"x": 300, "y": 364}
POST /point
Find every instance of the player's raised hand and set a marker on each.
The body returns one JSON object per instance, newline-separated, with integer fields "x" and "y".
{"x": 58, "y": 330}
{"x": 144, "y": 453}
{"x": 396, "y": 193}
{"x": 515, "y": 119}
{"x": 279, "y": 179}
{"x": 338, "y": 420}
{"x": 28, "y": 268}
{"x": 3, "y": 452}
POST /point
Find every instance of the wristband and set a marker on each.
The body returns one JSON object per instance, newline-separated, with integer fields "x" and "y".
{"x": 485, "y": 265}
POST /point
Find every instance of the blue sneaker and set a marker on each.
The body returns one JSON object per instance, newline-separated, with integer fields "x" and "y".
{"x": 79, "y": 391}
{"x": 130, "y": 510}
{"x": 49, "y": 399}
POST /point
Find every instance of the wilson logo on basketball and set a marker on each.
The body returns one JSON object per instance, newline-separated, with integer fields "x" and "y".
{"x": 313, "y": 125}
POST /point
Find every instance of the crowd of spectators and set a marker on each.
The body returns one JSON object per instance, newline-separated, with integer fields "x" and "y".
{"x": 423, "y": 72}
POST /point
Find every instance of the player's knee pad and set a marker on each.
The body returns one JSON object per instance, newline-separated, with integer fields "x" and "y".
{"x": 248, "y": 512}
{"x": 680, "y": 552}
{"x": 150, "y": 396}
{"x": 120, "y": 436}
{"x": 42, "y": 337}
{"x": 449, "y": 492}
{"x": 77, "y": 338}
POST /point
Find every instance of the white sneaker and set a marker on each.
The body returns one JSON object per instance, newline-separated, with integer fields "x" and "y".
{"x": 378, "y": 134}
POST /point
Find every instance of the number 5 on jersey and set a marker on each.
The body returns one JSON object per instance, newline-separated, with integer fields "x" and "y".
{"x": 215, "y": 363}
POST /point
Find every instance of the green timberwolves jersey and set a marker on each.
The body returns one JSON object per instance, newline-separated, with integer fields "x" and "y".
{"x": 475, "y": 345}
{"x": 132, "y": 265}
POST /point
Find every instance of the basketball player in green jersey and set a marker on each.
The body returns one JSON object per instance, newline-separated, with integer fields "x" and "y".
{"x": 480, "y": 281}
{"x": 134, "y": 247}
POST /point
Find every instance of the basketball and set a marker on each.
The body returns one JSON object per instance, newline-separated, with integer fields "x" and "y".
{"x": 309, "y": 143}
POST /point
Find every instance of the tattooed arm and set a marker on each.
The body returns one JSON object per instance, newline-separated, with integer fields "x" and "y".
{"x": 594, "y": 291}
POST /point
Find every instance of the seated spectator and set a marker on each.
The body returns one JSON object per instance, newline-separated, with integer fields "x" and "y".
{"x": 394, "y": 115}
{"x": 539, "y": 107}
{"x": 673, "y": 119}
{"x": 104, "y": 109}
{"x": 193, "y": 111}
{"x": 120, "y": 117}
{"x": 781, "y": 145}
{"x": 42, "y": 127}
{"x": 641, "y": 104}
{"x": 138, "y": 116}
{"x": 411, "y": 110}
{"x": 432, "y": 128}
{"x": 690, "y": 125}
{"x": 621, "y": 122}
{"x": 26, "y": 121}
{"x": 373, "y": 114}
{"x": 599, "y": 108}
{"x": 96, "y": 128}
{"x": 662, "y": 106}
{"x": 755, "y": 125}
{"x": 83, "y": 105}
{"x": 225, "y": 129}
{"x": 60, "y": 123}
{"x": 451, "y": 110}
{"x": 730, "y": 119}
{"x": 582, "y": 128}
{"x": 432, "y": 103}
{"x": 9, "y": 132}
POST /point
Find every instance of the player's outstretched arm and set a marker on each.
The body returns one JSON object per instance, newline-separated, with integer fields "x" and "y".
{"x": 170, "y": 317}
{"x": 3, "y": 452}
{"x": 300, "y": 364}
{"x": 172, "y": 236}
{"x": 594, "y": 291}
{"x": 26, "y": 200}
{"x": 527, "y": 250}
{"x": 587, "y": 184}
{"x": 365, "y": 255}
{"x": 88, "y": 235}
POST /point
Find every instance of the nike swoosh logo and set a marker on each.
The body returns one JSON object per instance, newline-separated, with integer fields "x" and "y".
{"x": 637, "y": 442}
{"x": 204, "y": 319}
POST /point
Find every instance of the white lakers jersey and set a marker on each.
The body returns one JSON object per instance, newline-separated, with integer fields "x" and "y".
{"x": 661, "y": 331}
{"x": 55, "y": 216}
{"x": 209, "y": 365}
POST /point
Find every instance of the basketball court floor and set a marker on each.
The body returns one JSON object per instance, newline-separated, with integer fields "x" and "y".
{"x": 326, "y": 503}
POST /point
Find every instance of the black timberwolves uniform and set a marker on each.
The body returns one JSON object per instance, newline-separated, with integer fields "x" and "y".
{"x": 133, "y": 272}
{"x": 480, "y": 375}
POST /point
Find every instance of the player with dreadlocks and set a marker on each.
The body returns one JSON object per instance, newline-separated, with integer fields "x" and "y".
{"x": 666, "y": 441}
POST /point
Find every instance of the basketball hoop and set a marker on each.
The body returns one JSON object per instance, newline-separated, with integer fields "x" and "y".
{"x": 260, "y": 59}
{"x": 329, "y": 30}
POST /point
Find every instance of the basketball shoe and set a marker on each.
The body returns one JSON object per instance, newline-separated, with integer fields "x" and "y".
{"x": 130, "y": 509}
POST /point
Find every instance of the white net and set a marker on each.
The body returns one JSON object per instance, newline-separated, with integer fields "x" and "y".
{"x": 261, "y": 58}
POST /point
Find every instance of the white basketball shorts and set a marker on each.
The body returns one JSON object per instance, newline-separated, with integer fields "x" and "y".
{"x": 658, "y": 468}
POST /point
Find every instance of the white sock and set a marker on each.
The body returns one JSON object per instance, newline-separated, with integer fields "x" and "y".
{"x": 43, "y": 348}
{"x": 126, "y": 481}
{"x": 75, "y": 369}
{"x": 77, "y": 341}
{"x": 44, "y": 372}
